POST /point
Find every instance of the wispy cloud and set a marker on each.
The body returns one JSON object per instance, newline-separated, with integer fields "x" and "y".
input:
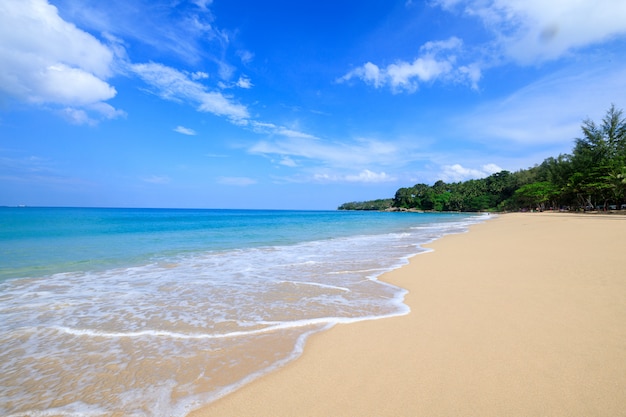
{"x": 157, "y": 179}
{"x": 236, "y": 181}
{"x": 25, "y": 165}
{"x": 199, "y": 75}
{"x": 245, "y": 56}
{"x": 34, "y": 170}
{"x": 82, "y": 116}
{"x": 548, "y": 111}
{"x": 185, "y": 131}
{"x": 365, "y": 177}
{"x": 181, "y": 29}
{"x": 243, "y": 82}
{"x": 172, "y": 84}
{"x": 368, "y": 176}
{"x": 288, "y": 162}
{"x": 359, "y": 153}
{"x": 272, "y": 129}
{"x": 203, "y": 4}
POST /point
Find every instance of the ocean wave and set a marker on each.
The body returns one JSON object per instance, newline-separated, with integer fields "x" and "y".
{"x": 229, "y": 311}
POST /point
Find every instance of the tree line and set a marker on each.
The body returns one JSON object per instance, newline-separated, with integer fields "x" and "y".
{"x": 591, "y": 177}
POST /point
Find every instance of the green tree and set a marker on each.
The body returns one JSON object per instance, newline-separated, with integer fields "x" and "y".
{"x": 593, "y": 174}
{"x": 536, "y": 194}
{"x": 599, "y": 159}
{"x": 404, "y": 198}
{"x": 380, "y": 204}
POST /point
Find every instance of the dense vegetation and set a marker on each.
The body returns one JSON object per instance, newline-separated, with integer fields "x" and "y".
{"x": 593, "y": 176}
{"x": 381, "y": 204}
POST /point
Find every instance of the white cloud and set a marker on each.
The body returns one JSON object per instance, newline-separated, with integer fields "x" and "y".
{"x": 437, "y": 61}
{"x": 456, "y": 172}
{"x": 236, "y": 181}
{"x": 46, "y": 60}
{"x": 532, "y": 31}
{"x": 106, "y": 110}
{"x": 369, "y": 73}
{"x": 369, "y": 177}
{"x": 359, "y": 153}
{"x": 245, "y": 56}
{"x": 171, "y": 84}
{"x": 244, "y": 82}
{"x": 436, "y": 46}
{"x": 82, "y": 117}
{"x": 288, "y": 162}
{"x": 169, "y": 28}
{"x": 203, "y": 4}
{"x": 101, "y": 110}
{"x": 365, "y": 176}
{"x": 62, "y": 84}
{"x": 76, "y": 116}
{"x": 185, "y": 131}
{"x": 405, "y": 76}
{"x": 199, "y": 75}
{"x": 25, "y": 165}
{"x": 290, "y": 133}
{"x": 526, "y": 32}
{"x": 472, "y": 72}
{"x": 157, "y": 179}
{"x": 262, "y": 126}
{"x": 272, "y": 129}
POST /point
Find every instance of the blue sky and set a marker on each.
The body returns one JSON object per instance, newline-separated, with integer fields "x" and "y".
{"x": 291, "y": 104}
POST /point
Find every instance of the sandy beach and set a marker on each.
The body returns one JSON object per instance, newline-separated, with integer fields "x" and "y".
{"x": 525, "y": 315}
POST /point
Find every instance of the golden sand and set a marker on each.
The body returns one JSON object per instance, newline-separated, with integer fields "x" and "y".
{"x": 525, "y": 315}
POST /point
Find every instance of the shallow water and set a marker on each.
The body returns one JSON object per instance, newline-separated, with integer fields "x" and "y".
{"x": 156, "y": 312}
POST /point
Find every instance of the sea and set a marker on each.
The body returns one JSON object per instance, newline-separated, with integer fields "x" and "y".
{"x": 156, "y": 312}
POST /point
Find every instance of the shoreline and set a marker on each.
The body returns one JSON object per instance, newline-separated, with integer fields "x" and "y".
{"x": 528, "y": 320}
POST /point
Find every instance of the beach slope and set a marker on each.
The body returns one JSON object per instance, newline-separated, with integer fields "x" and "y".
{"x": 525, "y": 315}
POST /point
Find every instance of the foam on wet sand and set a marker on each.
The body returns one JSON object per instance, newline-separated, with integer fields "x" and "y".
{"x": 524, "y": 315}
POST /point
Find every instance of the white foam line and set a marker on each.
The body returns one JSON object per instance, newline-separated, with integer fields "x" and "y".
{"x": 356, "y": 271}
{"x": 296, "y": 352}
{"x": 54, "y": 413}
{"x": 67, "y": 411}
{"x": 277, "y": 326}
{"x": 317, "y": 284}
{"x": 199, "y": 400}
{"x": 175, "y": 335}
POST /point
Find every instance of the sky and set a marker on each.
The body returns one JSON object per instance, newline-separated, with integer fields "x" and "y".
{"x": 282, "y": 104}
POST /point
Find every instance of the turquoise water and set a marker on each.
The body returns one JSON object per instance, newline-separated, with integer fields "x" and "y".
{"x": 166, "y": 310}
{"x": 38, "y": 241}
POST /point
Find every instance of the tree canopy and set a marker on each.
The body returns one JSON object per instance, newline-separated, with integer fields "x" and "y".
{"x": 592, "y": 176}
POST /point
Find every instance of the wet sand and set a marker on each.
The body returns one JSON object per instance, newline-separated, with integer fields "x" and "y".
{"x": 525, "y": 315}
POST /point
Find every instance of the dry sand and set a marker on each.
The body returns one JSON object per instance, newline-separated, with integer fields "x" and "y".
{"x": 525, "y": 315}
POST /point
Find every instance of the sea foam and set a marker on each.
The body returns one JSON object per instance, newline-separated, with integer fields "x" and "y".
{"x": 164, "y": 337}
